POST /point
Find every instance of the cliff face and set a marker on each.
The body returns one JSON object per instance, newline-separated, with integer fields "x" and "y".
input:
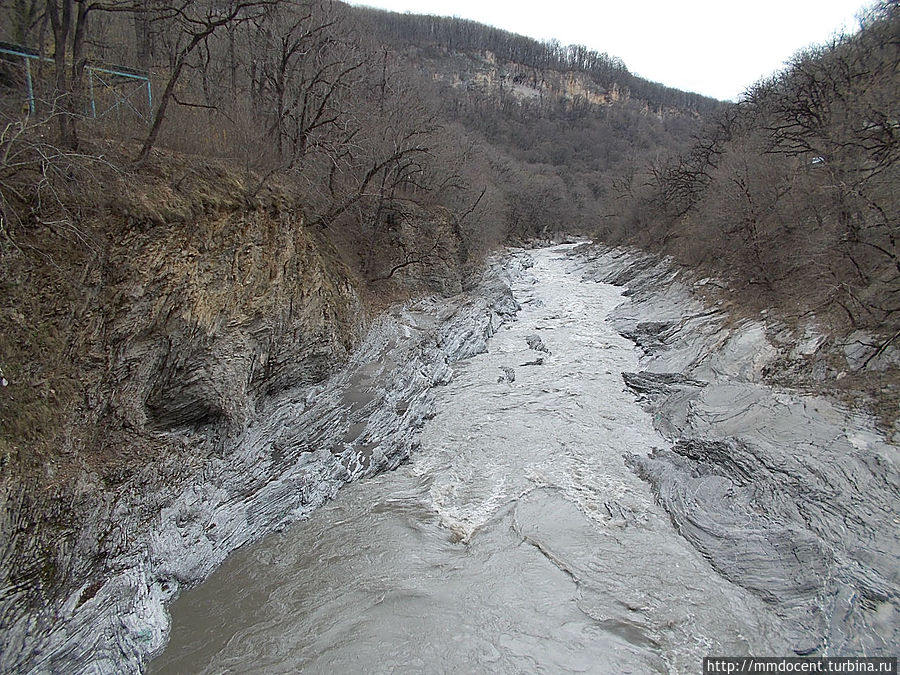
{"x": 143, "y": 347}
{"x": 180, "y": 302}
{"x": 485, "y": 74}
{"x": 208, "y": 318}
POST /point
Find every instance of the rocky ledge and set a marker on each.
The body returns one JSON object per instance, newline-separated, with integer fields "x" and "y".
{"x": 788, "y": 494}
{"x": 294, "y": 452}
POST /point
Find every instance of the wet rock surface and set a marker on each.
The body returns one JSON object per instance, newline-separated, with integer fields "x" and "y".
{"x": 788, "y": 495}
{"x": 655, "y": 386}
{"x": 292, "y": 452}
{"x": 536, "y": 343}
{"x": 651, "y": 336}
{"x": 516, "y": 539}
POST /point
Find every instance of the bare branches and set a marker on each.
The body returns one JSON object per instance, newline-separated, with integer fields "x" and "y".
{"x": 795, "y": 186}
{"x": 194, "y": 22}
{"x": 41, "y": 185}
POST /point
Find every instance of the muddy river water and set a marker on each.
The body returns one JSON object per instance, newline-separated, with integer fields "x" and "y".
{"x": 516, "y": 539}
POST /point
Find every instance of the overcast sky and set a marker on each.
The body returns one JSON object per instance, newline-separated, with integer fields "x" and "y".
{"x": 714, "y": 47}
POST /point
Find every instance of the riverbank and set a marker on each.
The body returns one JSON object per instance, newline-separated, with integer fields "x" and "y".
{"x": 174, "y": 521}
{"x": 790, "y": 495}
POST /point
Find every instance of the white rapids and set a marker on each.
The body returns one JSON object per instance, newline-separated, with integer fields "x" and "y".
{"x": 515, "y": 540}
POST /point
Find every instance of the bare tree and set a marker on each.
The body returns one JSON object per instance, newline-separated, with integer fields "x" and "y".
{"x": 190, "y": 25}
{"x": 25, "y": 15}
{"x": 69, "y": 21}
{"x": 306, "y": 61}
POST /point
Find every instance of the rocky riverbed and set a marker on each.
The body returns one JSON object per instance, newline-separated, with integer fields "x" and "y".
{"x": 787, "y": 494}
{"x": 613, "y": 486}
{"x": 294, "y": 453}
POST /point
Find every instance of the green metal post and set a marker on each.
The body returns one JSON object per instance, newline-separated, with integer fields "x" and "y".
{"x": 28, "y": 83}
{"x": 91, "y": 85}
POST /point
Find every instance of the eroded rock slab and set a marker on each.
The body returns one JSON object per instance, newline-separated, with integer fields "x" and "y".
{"x": 298, "y": 448}
{"x": 787, "y": 494}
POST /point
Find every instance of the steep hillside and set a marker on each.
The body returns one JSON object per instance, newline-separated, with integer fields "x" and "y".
{"x": 556, "y": 129}
{"x": 790, "y": 196}
{"x": 171, "y": 309}
{"x": 140, "y": 346}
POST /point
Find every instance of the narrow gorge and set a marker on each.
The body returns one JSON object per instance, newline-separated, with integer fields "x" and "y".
{"x": 610, "y": 487}
{"x": 335, "y": 339}
{"x": 589, "y": 468}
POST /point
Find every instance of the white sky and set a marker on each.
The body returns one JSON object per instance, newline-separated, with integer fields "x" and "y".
{"x": 713, "y": 47}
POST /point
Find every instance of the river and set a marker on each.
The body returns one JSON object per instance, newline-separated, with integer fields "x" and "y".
{"x": 516, "y": 539}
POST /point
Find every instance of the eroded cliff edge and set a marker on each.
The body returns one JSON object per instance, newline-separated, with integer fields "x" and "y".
{"x": 188, "y": 370}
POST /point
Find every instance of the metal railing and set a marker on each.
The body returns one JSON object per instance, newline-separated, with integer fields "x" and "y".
{"x": 102, "y": 75}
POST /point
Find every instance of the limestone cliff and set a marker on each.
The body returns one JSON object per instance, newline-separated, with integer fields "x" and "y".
{"x": 489, "y": 76}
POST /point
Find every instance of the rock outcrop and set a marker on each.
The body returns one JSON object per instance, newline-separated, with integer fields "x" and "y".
{"x": 224, "y": 379}
{"x": 787, "y": 494}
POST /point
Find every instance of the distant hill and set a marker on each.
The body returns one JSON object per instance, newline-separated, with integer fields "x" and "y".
{"x": 526, "y": 67}
{"x": 554, "y": 127}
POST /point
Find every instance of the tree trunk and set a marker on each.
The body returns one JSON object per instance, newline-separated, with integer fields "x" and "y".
{"x": 61, "y": 22}
{"x": 150, "y": 141}
{"x": 143, "y": 38}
